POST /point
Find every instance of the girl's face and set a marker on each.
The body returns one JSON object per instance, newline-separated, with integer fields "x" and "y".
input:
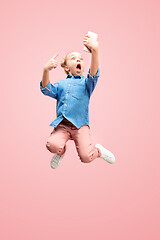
{"x": 75, "y": 64}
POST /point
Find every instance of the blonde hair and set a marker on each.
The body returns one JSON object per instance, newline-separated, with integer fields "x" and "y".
{"x": 64, "y": 63}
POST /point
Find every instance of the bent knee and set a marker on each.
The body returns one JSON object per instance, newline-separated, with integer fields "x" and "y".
{"x": 86, "y": 158}
{"x": 54, "y": 147}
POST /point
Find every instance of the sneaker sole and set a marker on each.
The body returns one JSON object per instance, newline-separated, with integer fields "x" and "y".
{"x": 54, "y": 165}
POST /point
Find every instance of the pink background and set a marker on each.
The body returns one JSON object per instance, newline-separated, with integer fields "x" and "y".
{"x": 81, "y": 201}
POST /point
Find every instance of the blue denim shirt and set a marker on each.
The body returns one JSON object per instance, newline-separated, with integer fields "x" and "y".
{"x": 73, "y": 95}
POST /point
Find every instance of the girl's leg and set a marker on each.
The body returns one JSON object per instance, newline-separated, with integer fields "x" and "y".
{"x": 87, "y": 152}
{"x": 57, "y": 140}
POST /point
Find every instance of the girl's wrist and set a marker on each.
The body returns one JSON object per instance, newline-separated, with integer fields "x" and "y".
{"x": 45, "y": 69}
{"x": 94, "y": 50}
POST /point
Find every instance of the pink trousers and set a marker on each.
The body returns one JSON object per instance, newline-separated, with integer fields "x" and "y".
{"x": 65, "y": 131}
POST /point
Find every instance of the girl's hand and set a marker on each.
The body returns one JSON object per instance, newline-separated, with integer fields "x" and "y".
{"x": 90, "y": 43}
{"x": 52, "y": 63}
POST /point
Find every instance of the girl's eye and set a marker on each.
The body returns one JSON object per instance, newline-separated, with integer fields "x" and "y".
{"x": 73, "y": 58}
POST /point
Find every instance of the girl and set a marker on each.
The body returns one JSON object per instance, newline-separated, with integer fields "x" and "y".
{"x": 73, "y": 95}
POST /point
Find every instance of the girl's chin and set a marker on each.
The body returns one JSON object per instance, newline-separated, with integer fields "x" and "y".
{"x": 78, "y": 71}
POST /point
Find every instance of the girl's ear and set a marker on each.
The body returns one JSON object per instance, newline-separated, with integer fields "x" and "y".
{"x": 66, "y": 68}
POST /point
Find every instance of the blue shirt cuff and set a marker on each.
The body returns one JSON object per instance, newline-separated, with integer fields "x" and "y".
{"x": 48, "y": 87}
{"x": 50, "y": 90}
{"x": 95, "y": 76}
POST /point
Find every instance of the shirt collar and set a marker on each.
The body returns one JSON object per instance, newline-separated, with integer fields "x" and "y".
{"x": 70, "y": 76}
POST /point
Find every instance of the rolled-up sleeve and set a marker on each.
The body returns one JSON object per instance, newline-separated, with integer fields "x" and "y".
{"x": 50, "y": 90}
{"x": 91, "y": 81}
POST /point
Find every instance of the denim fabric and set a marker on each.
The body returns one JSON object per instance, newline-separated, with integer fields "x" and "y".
{"x": 72, "y": 95}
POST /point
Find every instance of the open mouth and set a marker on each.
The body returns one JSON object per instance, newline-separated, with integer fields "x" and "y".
{"x": 78, "y": 66}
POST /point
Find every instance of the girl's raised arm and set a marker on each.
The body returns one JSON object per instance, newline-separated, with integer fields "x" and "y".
{"x": 52, "y": 63}
{"x": 93, "y": 47}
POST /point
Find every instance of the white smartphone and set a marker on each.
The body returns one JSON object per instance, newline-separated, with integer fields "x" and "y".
{"x": 92, "y": 35}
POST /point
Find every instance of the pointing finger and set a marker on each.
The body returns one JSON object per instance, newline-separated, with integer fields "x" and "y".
{"x": 55, "y": 56}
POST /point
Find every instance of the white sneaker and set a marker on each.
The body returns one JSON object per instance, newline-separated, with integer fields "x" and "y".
{"x": 106, "y": 154}
{"x": 56, "y": 159}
